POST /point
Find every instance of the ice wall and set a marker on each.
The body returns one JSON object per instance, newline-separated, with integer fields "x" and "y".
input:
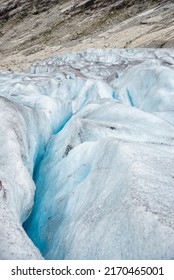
{"x": 23, "y": 135}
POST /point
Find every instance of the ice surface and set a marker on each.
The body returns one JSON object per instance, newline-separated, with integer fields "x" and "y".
{"x": 95, "y": 130}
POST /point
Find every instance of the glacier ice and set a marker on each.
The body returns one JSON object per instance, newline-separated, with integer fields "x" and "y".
{"x": 23, "y": 136}
{"x": 94, "y": 132}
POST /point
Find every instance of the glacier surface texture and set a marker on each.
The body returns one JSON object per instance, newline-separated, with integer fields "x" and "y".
{"x": 86, "y": 157}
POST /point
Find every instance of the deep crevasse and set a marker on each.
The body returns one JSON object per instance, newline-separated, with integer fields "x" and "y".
{"x": 105, "y": 184}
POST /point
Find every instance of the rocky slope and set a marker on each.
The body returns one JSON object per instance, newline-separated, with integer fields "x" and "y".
{"x": 33, "y": 30}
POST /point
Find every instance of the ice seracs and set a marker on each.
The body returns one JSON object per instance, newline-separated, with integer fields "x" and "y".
{"x": 94, "y": 130}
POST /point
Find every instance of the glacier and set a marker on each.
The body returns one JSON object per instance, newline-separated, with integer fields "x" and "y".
{"x": 87, "y": 145}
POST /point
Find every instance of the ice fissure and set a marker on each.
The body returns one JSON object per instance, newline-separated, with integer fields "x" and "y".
{"x": 95, "y": 131}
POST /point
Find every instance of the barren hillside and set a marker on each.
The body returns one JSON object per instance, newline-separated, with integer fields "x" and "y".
{"x": 33, "y": 30}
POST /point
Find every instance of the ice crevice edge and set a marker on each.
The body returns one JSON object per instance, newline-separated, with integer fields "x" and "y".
{"x": 95, "y": 131}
